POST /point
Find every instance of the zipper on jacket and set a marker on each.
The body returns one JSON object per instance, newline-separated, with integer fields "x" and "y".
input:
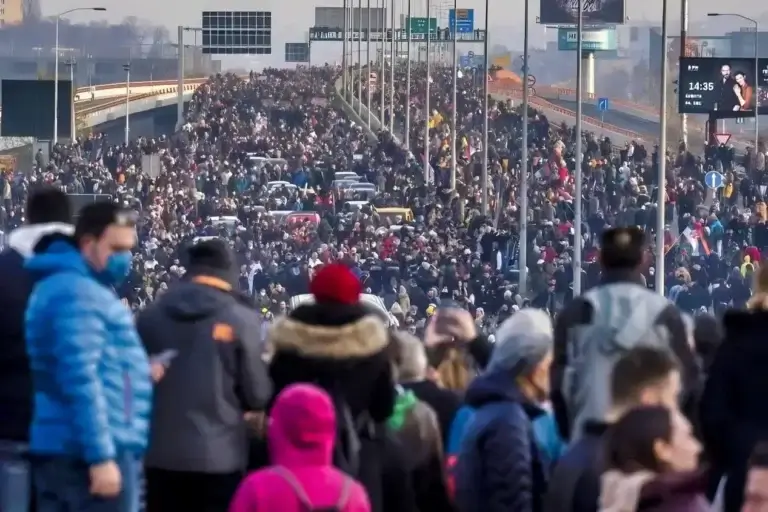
{"x": 127, "y": 396}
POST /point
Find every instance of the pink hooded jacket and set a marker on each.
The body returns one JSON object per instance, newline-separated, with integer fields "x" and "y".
{"x": 301, "y": 436}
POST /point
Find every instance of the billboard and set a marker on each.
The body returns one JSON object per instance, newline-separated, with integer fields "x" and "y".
{"x": 727, "y": 86}
{"x": 603, "y": 39}
{"x": 237, "y": 33}
{"x": 27, "y": 107}
{"x": 333, "y": 17}
{"x": 595, "y": 12}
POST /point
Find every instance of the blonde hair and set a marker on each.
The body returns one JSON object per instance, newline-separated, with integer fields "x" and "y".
{"x": 411, "y": 357}
{"x": 453, "y": 371}
{"x": 759, "y": 299}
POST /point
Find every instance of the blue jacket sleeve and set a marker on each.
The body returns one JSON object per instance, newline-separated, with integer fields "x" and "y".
{"x": 506, "y": 451}
{"x": 80, "y": 335}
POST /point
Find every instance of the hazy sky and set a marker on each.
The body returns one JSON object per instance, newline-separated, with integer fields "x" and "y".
{"x": 291, "y": 18}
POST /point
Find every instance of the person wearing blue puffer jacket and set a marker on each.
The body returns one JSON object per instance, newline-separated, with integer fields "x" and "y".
{"x": 91, "y": 376}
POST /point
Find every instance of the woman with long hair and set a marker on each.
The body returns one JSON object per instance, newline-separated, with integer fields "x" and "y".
{"x": 744, "y": 92}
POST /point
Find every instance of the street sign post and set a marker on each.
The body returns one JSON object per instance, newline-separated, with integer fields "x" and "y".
{"x": 714, "y": 180}
{"x": 722, "y": 138}
{"x": 464, "y": 19}
{"x": 602, "y": 105}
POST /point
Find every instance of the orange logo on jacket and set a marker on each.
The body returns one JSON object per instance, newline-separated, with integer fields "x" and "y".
{"x": 223, "y": 333}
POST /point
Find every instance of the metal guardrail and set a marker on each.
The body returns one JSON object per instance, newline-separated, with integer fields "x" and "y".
{"x": 119, "y": 101}
{"x": 149, "y": 83}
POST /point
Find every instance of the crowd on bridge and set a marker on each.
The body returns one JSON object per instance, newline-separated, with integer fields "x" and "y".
{"x": 355, "y": 336}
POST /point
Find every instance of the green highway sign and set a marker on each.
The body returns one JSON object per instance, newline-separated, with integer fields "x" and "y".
{"x": 419, "y": 25}
{"x": 326, "y": 34}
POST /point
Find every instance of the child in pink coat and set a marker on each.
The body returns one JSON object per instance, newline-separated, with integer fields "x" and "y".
{"x": 302, "y": 478}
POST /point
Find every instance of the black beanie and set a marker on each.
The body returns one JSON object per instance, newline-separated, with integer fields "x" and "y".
{"x": 212, "y": 258}
{"x": 622, "y": 248}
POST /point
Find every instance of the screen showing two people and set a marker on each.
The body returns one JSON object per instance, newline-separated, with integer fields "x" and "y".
{"x": 725, "y": 86}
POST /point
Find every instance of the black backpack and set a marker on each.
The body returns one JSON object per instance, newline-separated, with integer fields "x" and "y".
{"x": 306, "y": 504}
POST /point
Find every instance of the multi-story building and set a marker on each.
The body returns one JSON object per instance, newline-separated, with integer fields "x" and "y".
{"x": 11, "y": 12}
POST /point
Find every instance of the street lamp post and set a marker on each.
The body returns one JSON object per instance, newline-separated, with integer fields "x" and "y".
{"x": 757, "y": 67}
{"x": 56, "y": 70}
{"x": 127, "y": 69}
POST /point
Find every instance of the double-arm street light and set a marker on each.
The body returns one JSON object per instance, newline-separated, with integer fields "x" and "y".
{"x": 756, "y": 79}
{"x": 56, "y": 70}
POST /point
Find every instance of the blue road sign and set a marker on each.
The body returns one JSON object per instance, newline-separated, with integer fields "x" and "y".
{"x": 602, "y": 104}
{"x": 465, "y": 20}
{"x": 471, "y": 60}
{"x": 714, "y": 180}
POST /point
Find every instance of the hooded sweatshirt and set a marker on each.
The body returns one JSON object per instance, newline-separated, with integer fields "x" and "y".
{"x": 15, "y": 289}
{"x": 301, "y": 436}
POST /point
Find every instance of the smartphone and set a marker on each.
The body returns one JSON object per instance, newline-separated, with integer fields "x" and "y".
{"x": 164, "y": 358}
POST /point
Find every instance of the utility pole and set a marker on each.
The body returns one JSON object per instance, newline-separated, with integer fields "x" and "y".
{"x": 127, "y": 69}
{"x": 683, "y": 53}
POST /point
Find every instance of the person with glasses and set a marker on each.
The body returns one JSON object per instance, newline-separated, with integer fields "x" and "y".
{"x": 91, "y": 376}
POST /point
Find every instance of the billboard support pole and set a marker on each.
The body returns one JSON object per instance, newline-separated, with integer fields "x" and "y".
{"x": 407, "y": 140}
{"x": 662, "y": 178}
{"x": 683, "y": 51}
{"x": 484, "y": 170}
{"x": 368, "y": 65}
{"x": 426, "y": 101}
{"x": 523, "y": 242}
{"x": 455, "y": 67}
{"x": 577, "y": 240}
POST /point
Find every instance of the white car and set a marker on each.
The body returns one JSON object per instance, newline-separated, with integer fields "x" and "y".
{"x": 373, "y": 301}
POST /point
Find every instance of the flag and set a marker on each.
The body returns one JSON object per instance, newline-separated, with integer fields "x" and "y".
{"x": 697, "y": 240}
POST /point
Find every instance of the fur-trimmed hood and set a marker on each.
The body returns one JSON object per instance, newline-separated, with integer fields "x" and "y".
{"x": 364, "y": 337}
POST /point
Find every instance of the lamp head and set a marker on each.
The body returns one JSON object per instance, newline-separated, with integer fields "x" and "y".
{"x": 713, "y": 14}
{"x": 100, "y": 9}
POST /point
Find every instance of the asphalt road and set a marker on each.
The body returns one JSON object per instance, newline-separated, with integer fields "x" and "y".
{"x": 614, "y": 117}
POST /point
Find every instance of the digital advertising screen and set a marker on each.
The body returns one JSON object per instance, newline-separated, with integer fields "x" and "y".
{"x": 725, "y": 86}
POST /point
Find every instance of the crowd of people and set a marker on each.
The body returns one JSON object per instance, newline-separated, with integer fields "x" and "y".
{"x": 290, "y": 317}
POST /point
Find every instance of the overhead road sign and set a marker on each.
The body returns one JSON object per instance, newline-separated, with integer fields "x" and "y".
{"x": 334, "y": 17}
{"x": 714, "y": 180}
{"x": 592, "y": 40}
{"x": 594, "y": 12}
{"x": 419, "y": 25}
{"x": 237, "y": 32}
{"x": 464, "y": 19}
{"x": 297, "y": 52}
{"x": 441, "y": 35}
{"x": 722, "y": 138}
{"x": 471, "y": 60}
{"x": 721, "y": 86}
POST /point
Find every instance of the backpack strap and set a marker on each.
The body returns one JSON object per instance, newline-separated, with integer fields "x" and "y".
{"x": 291, "y": 479}
{"x": 346, "y": 491}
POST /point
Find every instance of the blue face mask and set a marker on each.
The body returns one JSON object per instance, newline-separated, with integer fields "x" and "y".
{"x": 117, "y": 268}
